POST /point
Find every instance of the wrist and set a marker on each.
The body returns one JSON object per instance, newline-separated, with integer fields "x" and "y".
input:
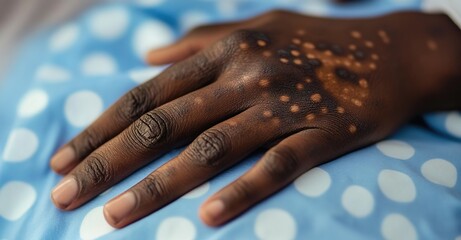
{"x": 430, "y": 57}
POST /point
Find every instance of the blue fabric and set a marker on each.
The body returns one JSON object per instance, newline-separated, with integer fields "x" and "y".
{"x": 405, "y": 187}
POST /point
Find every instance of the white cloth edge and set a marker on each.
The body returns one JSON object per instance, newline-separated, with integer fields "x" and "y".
{"x": 451, "y": 7}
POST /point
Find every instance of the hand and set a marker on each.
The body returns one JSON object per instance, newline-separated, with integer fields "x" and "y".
{"x": 316, "y": 88}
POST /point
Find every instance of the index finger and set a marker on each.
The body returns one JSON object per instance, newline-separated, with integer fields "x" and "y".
{"x": 176, "y": 81}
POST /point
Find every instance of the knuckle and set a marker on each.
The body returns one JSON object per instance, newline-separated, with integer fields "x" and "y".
{"x": 87, "y": 142}
{"x": 280, "y": 163}
{"x": 152, "y": 128}
{"x": 209, "y": 148}
{"x": 135, "y": 103}
{"x": 98, "y": 169}
{"x": 154, "y": 187}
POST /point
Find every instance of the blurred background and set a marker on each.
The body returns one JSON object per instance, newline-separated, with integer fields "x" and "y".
{"x": 22, "y": 18}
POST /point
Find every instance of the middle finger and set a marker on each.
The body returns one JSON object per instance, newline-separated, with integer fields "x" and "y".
{"x": 156, "y": 132}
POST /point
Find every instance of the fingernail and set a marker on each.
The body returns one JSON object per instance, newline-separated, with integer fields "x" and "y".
{"x": 63, "y": 159}
{"x": 214, "y": 209}
{"x": 120, "y": 207}
{"x": 65, "y": 193}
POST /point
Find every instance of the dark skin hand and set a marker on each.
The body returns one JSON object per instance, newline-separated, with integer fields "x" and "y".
{"x": 311, "y": 88}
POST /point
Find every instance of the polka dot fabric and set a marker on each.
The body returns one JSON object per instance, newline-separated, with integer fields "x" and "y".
{"x": 405, "y": 187}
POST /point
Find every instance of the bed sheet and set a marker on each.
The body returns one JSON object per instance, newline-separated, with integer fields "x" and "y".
{"x": 405, "y": 187}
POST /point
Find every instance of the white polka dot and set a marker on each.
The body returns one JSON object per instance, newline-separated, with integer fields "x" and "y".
{"x": 149, "y": 3}
{"x": 358, "y": 201}
{"x": 227, "y": 8}
{"x": 21, "y": 145}
{"x": 64, "y": 37}
{"x": 397, "y": 186}
{"x": 98, "y": 64}
{"x": 149, "y": 35}
{"x": 315, "y": 8}
{"x": 94, "y": 224}
{"x": 33, "y": 103}
{"x": 16, "y": 198}
{"x": 404, "y": 1}
{"x": 198, "y": 191}
{"x": 313, "y": 183}
{"x": 440, "y": 171}
{"x": 453, "y": 123}
{"x": 176, "y": 228}
{"x": 396, "y": 149}
{"x": 142, "y": 75}
{"x": 193, "y": 19}
{"x": 52, "y": 73}
{"x": 82, "y": 108}
{"x": 275, "y": 224}
{"x": 396, "y": 226}
{"x": 109, "y": 23}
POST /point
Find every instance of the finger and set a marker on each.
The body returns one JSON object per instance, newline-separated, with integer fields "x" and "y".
{"x": 176, "y": 81}
{"x": 190, "y": 44}
{"x": 169, "y": 126}
{"x": 277, "y": 168}
{"x": 213, "y": 151}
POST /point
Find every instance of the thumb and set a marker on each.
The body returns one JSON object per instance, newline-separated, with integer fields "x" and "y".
{"x": 193, "y": 42}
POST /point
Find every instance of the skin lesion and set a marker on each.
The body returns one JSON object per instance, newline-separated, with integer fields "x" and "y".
{"x": 336, "y": 75}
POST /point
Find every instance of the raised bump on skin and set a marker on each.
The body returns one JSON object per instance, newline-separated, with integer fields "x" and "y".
{"x": 373, "y": 66}
{"x": 284, "y": 60}
{"x": 267, "y": 114}
{"x": 352, "y": 47}
{"x": 244, "y": 46}
{"x": 369, "y": 44}
{"x": 363, "y": 83}
{"x": 276, "y": 121}
{"x": 198, "y": 100}
{"x": 232, "y": 123}
{"x": 295, "y": 53}
{"x": 384, "y": 37}
{"x": 357, "y": 102}
{"x": 310, "y": 117}
{"x": 296, "y": 41}
{"x": 301, "y": 32}
{"x": 316, "y": 97}
{"x": 352, "y": 128}
{"x": 310, "y": 55}
{"x": 309, "y": 45}
{"x": 297, "y": 61}
{"x": 284, "y": 98}
{"x": 263, "y": 83}
{"x": 299, "y": 86}
{"x": 432, "y": 45}
{"x": 324, "y": 110}
{"x": 340, "y": 110}
{"x": 267, "y": 53}
{"x": 294, "y": 108}
{"x": 374, "y": 56}
{"x": 308, "y": 80}
{"x": 356, "y": 34}
{"x": 261, "y": 43}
